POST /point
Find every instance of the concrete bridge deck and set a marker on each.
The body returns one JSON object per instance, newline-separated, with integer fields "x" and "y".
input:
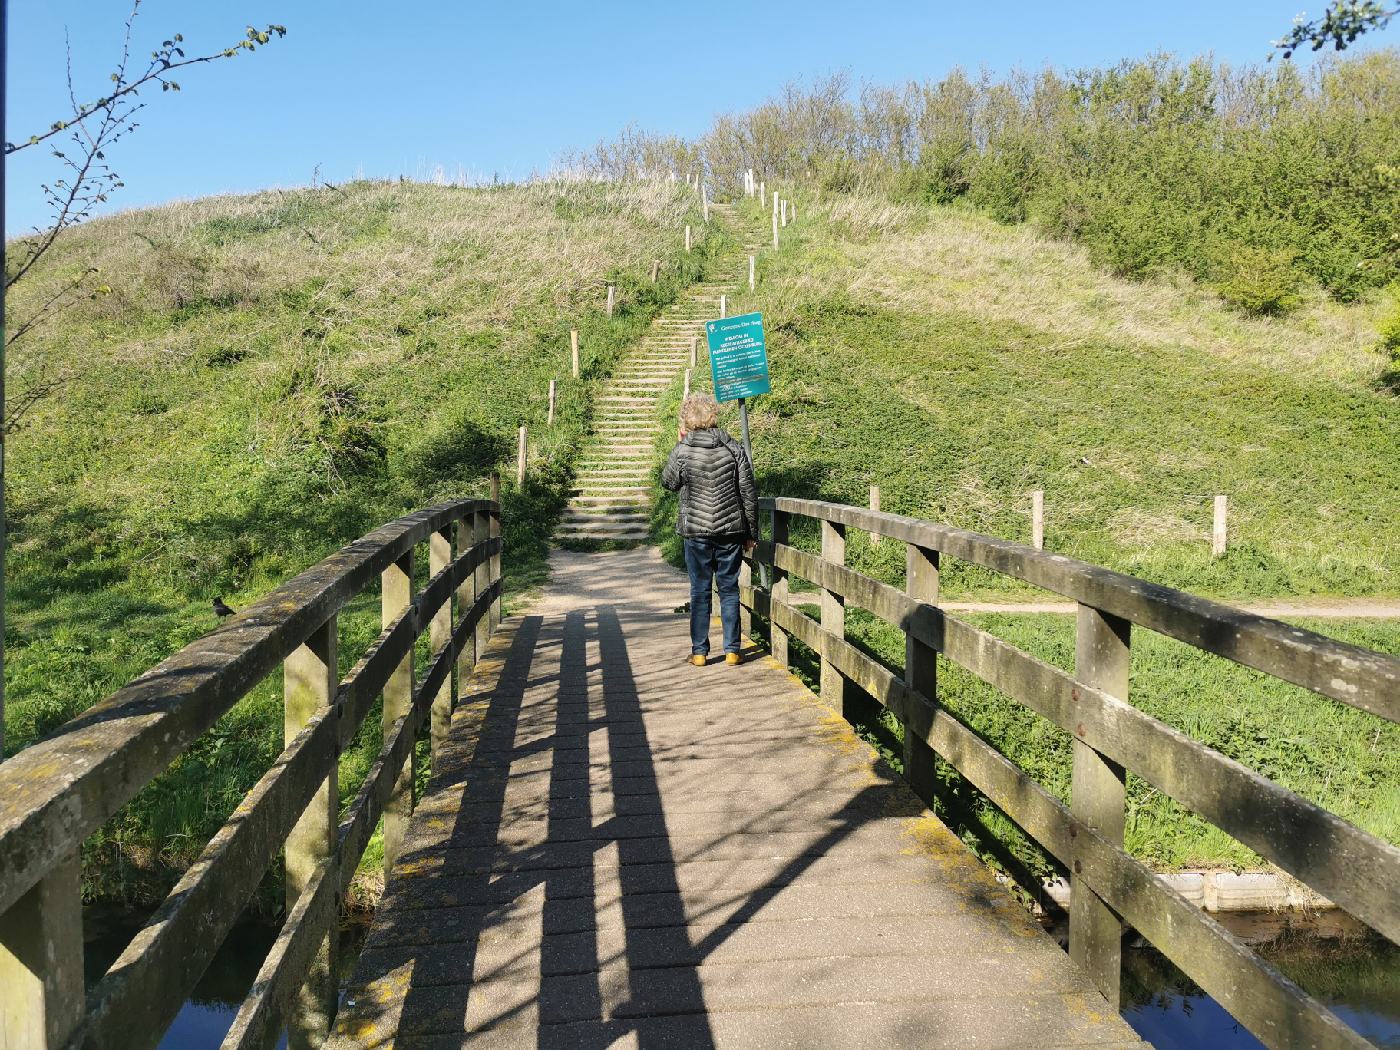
{"x": 619, "y": 849}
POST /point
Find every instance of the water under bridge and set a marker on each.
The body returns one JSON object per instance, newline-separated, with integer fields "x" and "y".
{"x": 616, "y": 848}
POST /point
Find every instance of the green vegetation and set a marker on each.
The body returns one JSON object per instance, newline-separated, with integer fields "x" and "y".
{"x": 1266, "y": 183}
{"x": 960, "y": 364}
{"x": 268, "y": 378}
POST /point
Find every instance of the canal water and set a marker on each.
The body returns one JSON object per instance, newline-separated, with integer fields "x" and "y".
{"x": 1355, "y": 973}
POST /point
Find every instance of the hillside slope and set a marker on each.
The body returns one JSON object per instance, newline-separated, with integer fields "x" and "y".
{"x": 960, "y": 364}
{"x": 265, "y": 378}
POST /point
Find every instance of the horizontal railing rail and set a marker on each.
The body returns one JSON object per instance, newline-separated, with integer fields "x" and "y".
{"x": 63, "y": 788}
{"x": 1356, "y": 870}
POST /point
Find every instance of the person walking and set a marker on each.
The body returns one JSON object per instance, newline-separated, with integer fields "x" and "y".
{"x": 718, "y": 519}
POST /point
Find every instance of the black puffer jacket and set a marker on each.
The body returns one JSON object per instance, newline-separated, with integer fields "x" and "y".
{"x": 713, "y": 475}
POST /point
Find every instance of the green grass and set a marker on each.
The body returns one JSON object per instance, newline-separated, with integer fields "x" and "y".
{"x": 959, "y": 365}
{"x": 271, "y": 377}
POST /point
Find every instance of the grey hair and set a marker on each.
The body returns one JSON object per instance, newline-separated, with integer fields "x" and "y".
{"x": 698, "y": 412}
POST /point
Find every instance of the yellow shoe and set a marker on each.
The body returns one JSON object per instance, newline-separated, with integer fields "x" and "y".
{"x": 732, "y": 659}
{"x": 697, "y": 659}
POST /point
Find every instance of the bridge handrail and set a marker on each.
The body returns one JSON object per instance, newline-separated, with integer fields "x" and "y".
{"x": 1357, "y": 870}
{"x": 1359, "y": 677}
{"x": 58, "y": 791}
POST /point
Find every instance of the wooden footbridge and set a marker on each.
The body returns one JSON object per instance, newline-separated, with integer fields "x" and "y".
{"x": 617, "y": 849}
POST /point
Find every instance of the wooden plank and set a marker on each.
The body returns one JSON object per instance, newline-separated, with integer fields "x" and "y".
{"x": 833, "y": 606}
{"x": 145, "y": 987}
{"x": 1256, "y": 994}
{"x": 261, "y": 1016}
{"x": 493, "y": 511}
{"x": 58, "y": 791}
{"x": 310, "y": 677}
{"x": 440, "y": 561}
{"x": 1347, "y": 673}
{"x": 1098, "y": 800}
{"x": 481, "y": 577}
{"x": 396, "y": 595}
{"x": 920, "y": 668}
{"x": 41, "y": 961}
{"x": 778, "y": 643}
{"x": 463, "y": 537}
{"x": 379, "y": 784}
{"x": 1351, "y": 867}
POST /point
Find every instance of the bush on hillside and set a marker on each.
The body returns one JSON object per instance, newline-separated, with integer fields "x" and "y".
{"x": 1260, "y": 281}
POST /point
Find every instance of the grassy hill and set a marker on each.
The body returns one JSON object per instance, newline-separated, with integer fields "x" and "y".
{"x": 263, "y": 379}
{"x": 959, "y": 364}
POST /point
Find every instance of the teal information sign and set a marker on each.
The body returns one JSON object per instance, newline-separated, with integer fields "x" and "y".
{"x": 738, "y": 359}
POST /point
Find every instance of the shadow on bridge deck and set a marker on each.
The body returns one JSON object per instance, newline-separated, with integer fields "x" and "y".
{"x": 621, "y": 850}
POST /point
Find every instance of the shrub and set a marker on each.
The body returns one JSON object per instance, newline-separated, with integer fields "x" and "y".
{"x": 1260, "y": 281}
{"x": 1390, "y": 326}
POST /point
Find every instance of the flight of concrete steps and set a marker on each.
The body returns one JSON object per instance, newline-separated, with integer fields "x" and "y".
{"x": 613, "y": 495}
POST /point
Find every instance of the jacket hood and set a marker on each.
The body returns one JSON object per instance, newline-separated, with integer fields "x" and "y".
{"x": 712, "y": 437}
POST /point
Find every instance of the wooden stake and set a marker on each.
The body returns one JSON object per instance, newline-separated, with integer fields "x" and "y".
{"x": 763, "y": 194}
{"x": 723, "y": 306}
{"x": 784, "y": 209}
{"x": 687, "y": 238}
{"x": 874, "y": 505}
{"x": 551, "y": 402}
{"x": 520, "y": 459}
{"x": 775, "y": 220}
{"x": 612, "y": 294}
{"x": 750, "y": 273}
{"x": 573, "y": 348}
{"x": 687, "y": 384}
{"x": 655, "y": 269}
{"x": 1217, "y": 532}
{"x": 1038, "y": 519}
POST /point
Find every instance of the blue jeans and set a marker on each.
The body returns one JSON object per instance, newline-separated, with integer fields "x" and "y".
{"x": 707, "y": 557}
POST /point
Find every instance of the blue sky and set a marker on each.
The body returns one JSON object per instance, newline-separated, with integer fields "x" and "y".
{"x": 387, "y": 89}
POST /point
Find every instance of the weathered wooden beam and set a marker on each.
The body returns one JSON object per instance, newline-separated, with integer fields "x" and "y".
{"x": 41, "y": 961}
{"x": 778, "y": 643}
{"x": 481, "y": 577}
{"x": 493, "y": 511}
{"x": 833, "y": 606}
{"x": 396, "y": 595}
{"x": 440, "y": 634}
{"x": 273, "y": 995}
{"x": 1348, "y": 673}
{"x": 58, "y": 791}
{"x": 920, "y": 669}
{"x": 463, "y": 538}
{"x": 310, "y": 675}
{"x": 1351, "y": 867}
{"x": 1262, "y": 999}
{"x": 1098, "y": 799}
{"x": 145, "y": 987}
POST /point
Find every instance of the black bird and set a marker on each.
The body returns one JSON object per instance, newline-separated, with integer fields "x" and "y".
{"x": 220, "y": 609}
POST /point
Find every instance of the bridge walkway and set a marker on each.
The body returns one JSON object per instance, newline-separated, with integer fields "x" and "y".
{"x": 618, "y": 849}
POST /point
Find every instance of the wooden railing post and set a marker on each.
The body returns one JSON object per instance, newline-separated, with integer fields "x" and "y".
{"x": 464, "y": 537}
{"x": 41, "y": 961}
{"x": 920, "y": 669}
{"x": 833, "y": 606}
{"x": 481, "y": 532}
{"x": 494, "y": 532}
{"x": 1101, "y": 659}
{"x": 309, "y": 679}
{"x": 396, "y": 592}
{"x": 439, "y": 635}
{"x": 778, "y": 595}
